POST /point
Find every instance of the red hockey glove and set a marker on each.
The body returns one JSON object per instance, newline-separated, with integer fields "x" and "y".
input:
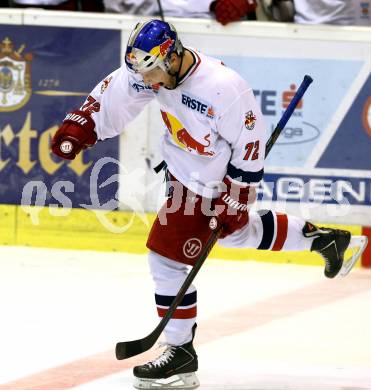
{"x": 234, "y": 203}
{"x": 76, "y": 133}
{"x": 227, "y": 11}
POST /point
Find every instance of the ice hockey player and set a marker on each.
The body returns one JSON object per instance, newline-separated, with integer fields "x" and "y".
{"x": 214, "y": 147}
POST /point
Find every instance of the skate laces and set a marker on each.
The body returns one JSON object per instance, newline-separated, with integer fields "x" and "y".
{"x": 323, "y": 253}
{"x": 327, "y": 261}
{"x": 322, "y": 250}
{"x": 165, "y": 356}
{"x": 326, "y": 258}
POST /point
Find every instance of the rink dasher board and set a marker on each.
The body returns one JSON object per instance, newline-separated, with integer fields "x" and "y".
{"x": 81, "y": 229}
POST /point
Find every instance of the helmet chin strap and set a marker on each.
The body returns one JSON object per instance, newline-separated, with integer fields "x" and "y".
{"x": 177, "y": 73}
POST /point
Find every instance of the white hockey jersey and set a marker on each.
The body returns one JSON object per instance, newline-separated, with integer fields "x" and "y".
{"x": 213, "y": 123}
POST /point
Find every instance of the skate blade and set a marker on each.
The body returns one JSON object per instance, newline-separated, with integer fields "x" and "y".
{"x": 356, "y": 247}
{"x": 187, "y": 381}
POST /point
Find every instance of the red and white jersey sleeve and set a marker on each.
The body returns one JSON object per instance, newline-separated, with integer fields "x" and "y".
{"x": 116, "y": 101}
{"x": 242, "y": 125}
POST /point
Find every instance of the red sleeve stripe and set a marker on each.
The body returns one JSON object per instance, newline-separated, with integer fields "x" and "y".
{"x": 180, "y": 314}
{"x": 282, "y": 224}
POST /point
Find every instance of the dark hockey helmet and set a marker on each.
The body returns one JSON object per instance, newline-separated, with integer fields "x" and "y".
{"x": 150, "y": 45}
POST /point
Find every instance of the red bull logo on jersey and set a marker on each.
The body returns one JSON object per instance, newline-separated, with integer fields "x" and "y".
{"x": 105, "y": 84}
{"x": 183, "y": 138}
{"x": 250, "y": 120}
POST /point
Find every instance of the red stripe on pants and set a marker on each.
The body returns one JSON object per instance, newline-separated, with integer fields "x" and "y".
{"x": 180, "y": 314}
{"x": 366, "y": 257}
{"x": 282, "y": 223}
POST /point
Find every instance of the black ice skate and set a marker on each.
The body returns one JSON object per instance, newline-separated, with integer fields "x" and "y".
{"x": 331, "y": 244}
{"x": 173, "y": 369}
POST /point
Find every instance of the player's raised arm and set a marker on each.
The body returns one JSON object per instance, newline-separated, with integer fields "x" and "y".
{"x": 112, "y": 104}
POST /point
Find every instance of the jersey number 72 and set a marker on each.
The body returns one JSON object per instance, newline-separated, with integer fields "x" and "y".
{"x": 252, "y": 151}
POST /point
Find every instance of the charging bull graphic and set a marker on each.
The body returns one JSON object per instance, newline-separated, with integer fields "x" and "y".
{"x": 182, "y": 137}
{"x": 162, "y": 49}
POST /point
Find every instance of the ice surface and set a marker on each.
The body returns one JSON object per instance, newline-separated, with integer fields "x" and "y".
{"x": 261, "y": 326}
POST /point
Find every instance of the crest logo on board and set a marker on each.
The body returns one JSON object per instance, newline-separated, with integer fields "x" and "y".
{"x": 15, "y": 76}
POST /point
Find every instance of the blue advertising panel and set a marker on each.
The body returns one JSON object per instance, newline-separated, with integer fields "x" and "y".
{"x": 350, "y": 147}
{"x": 313, "y": 188}
{"x": 332, "y": 80}
{"x": 45, "y": 72}
{"x": 329, "y": 132}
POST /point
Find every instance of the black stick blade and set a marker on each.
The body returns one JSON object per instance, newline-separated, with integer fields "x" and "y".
{"x": 127, "y": 349}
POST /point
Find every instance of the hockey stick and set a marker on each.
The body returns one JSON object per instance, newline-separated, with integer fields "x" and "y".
{"x": 161, "y": 11}
{"x": 287, "y": 114}
{"x": 128, "y": 349}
